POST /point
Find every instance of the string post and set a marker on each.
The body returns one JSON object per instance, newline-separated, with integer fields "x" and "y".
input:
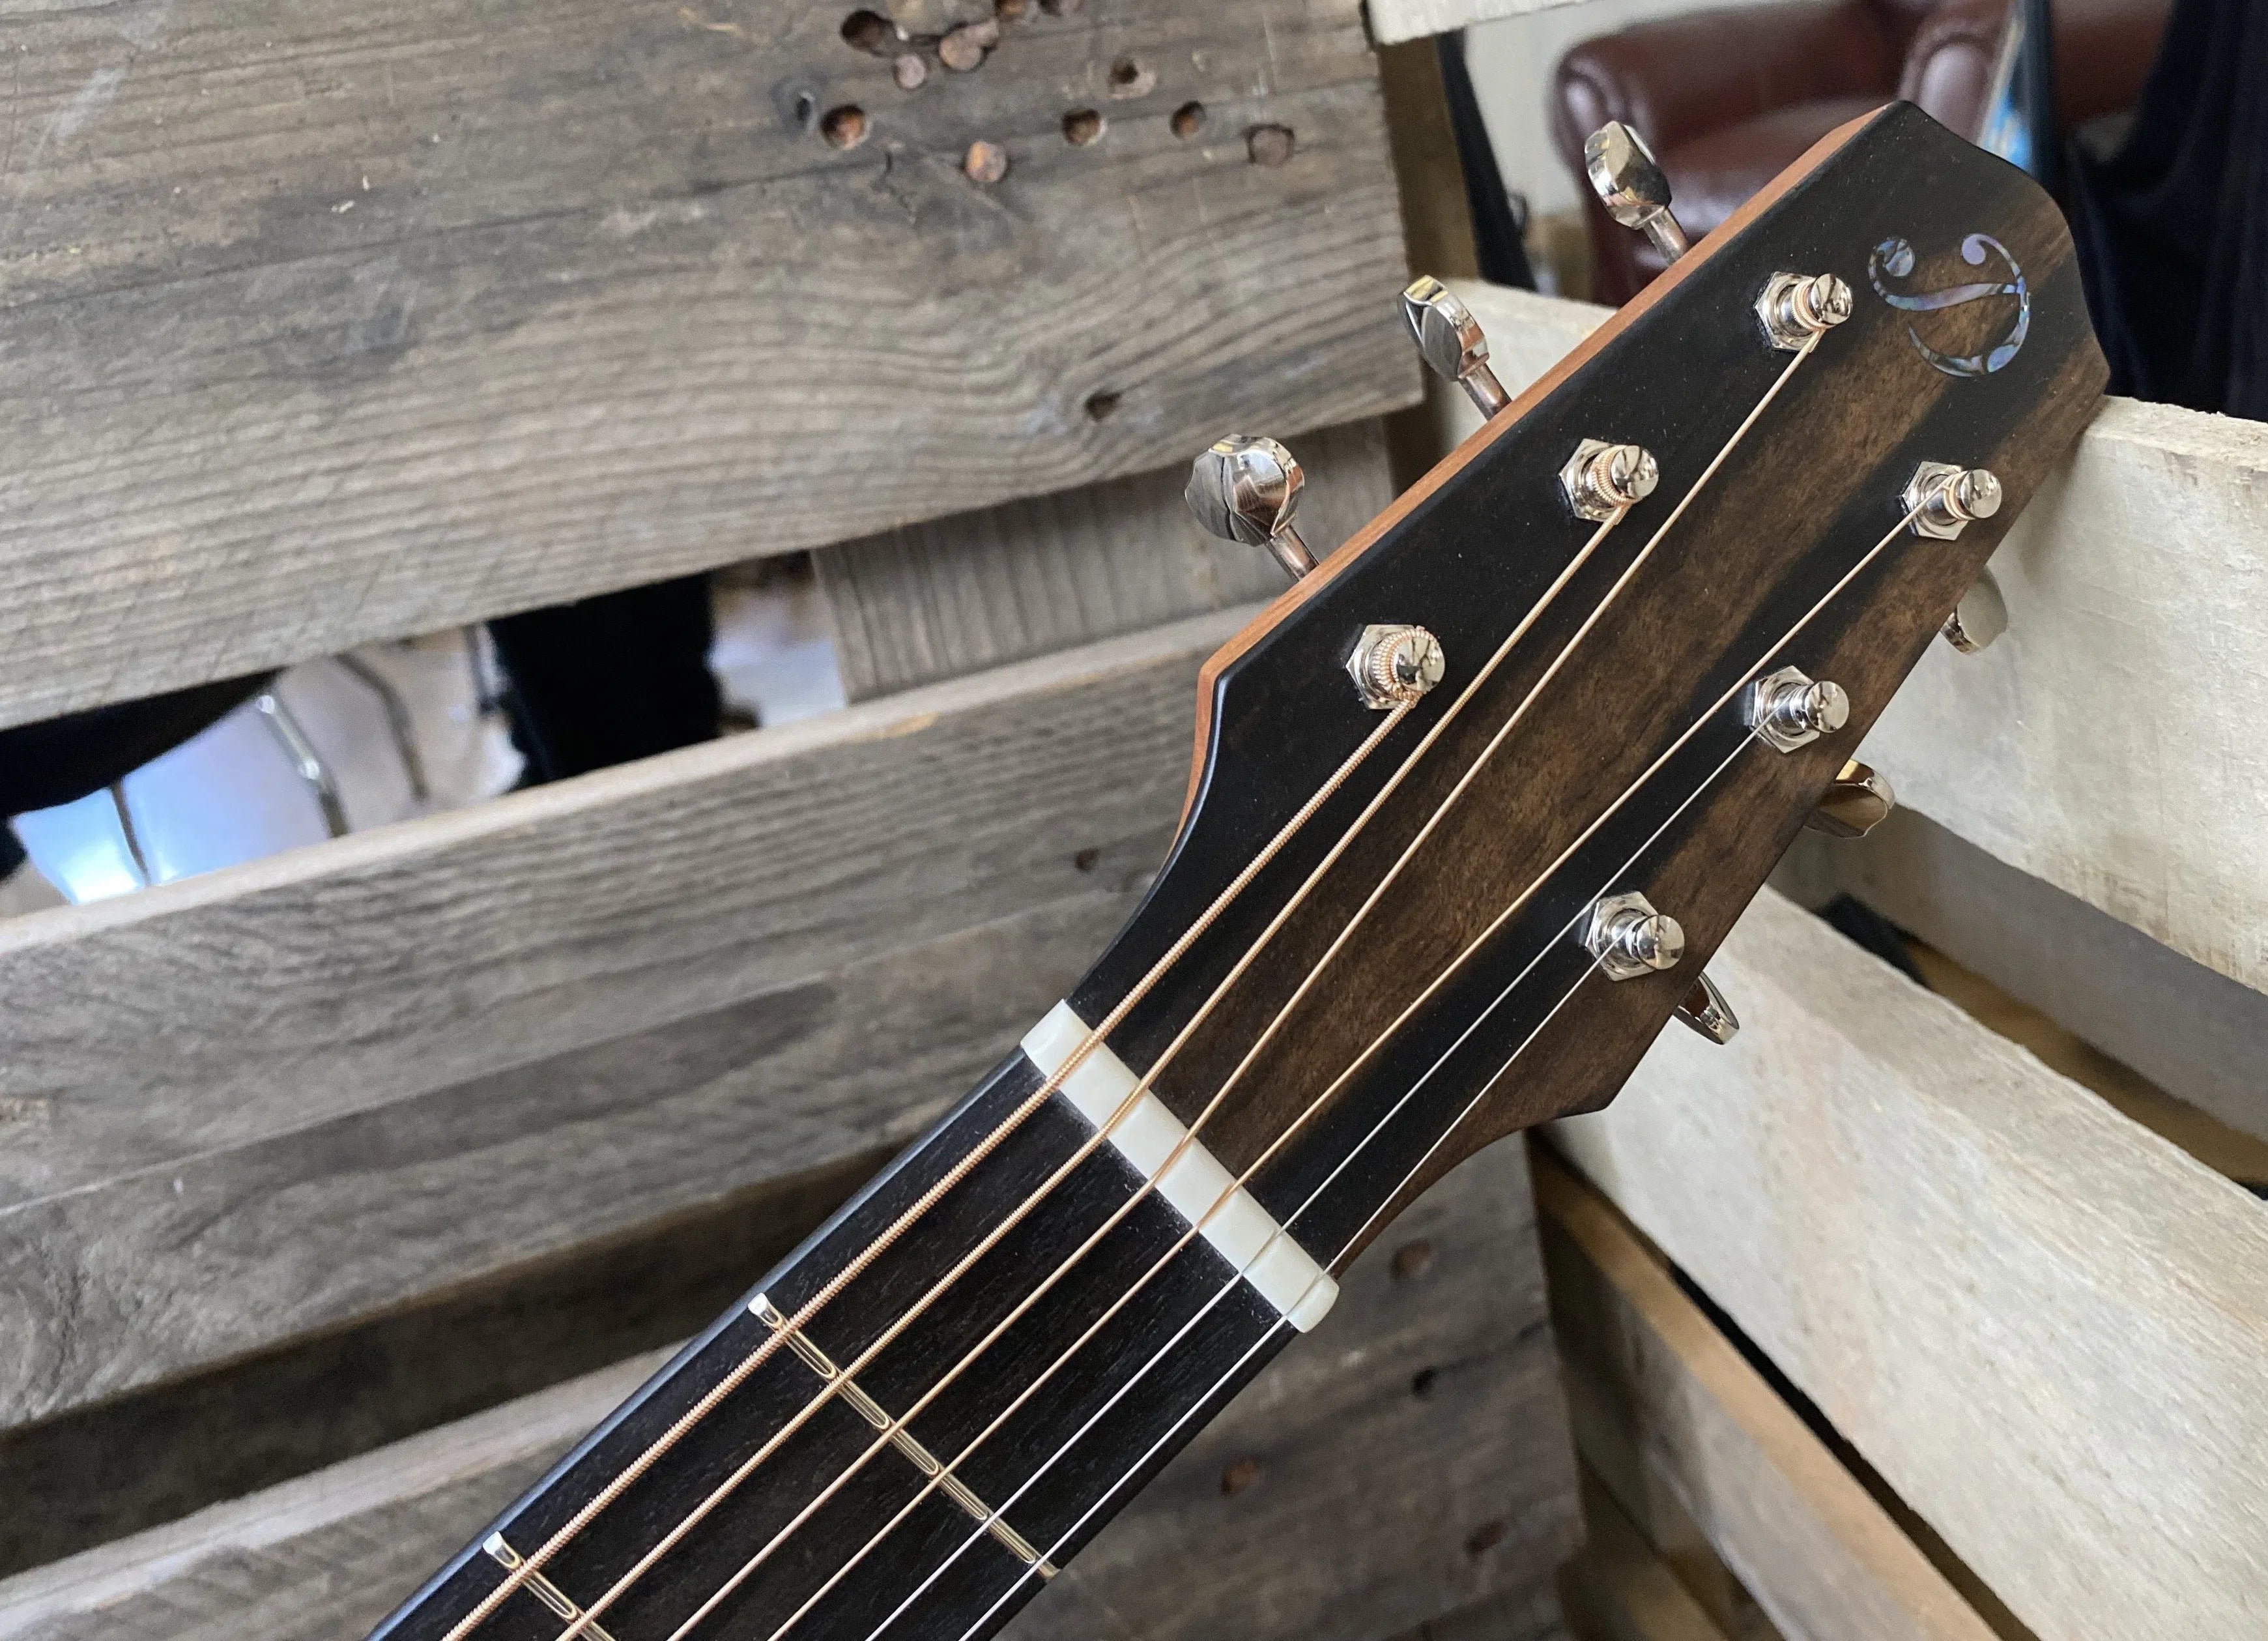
{"x": 1602, "y": 480}
{"x": 1946, "y": 498}
{"x": 1797, "y": 308}
{"x": 1630, "y": 939}
{"x": 1394, "y": 666}
{"x": 1789, "y": 708}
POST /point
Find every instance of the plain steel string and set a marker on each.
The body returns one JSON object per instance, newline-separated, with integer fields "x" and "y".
{"x": 1085, "y": 1047}
{"x": 1352, "y": 1242}
{"x": 1173, "y": 1252}
{"x": 891, "y": 1430}
{"x": 1376, "y": 1128}
{"x": 532, "y": 1563}
{"x": 582, "y": 1624}
{"x": 686, "y": 1525}
{"x": 1314, "y": 974}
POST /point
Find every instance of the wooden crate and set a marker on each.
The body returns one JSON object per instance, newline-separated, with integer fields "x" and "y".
{"x": 340, "y": 1191}
{"x": 2022, "y": 1289}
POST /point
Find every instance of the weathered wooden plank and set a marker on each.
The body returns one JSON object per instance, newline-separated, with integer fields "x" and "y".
{"x": 327, "y": 323}
{"x": 2198, "y": 1035}
{"x": 1663, "y": 1402}
{"x": 238, "y": 1315}
{"x": 1366, "y": 1506}
{"x": 396, "y": 962}
{"x": 934, "y": 600}
{"x": 2043, "y": 1326}
{"x": 423, "y": 1056}
{"x": 2115, "y": 743}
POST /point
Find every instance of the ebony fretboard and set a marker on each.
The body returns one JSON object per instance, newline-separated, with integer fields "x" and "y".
{"x": 1105, "y": 1421}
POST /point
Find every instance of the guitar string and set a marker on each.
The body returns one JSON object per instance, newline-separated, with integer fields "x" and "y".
{"x": 890, "y": 1431}
{"x": 1166, "y": 1348}
{"x": 1053, "y": 1549}
{"x": 683, "y": 1526}
{"x": 765, "y": 1348}
{"x": 1175, "y": 1252}
{"x": 535, "y": 1561}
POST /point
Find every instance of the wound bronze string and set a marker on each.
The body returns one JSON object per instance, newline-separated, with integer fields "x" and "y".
{"x": 534, "y": 1563}
{"x": 1314, "y": 1196}
{"x": 765, "y": 1348}
{"x": 1770, "y": 654}
{"x": 686, "y": 1524}
{"x": 884, "y": 1439}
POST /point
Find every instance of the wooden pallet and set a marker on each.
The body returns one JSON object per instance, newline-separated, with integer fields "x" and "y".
{"x": 340, "y": 1191}
{"x": 2025, "y": 1288}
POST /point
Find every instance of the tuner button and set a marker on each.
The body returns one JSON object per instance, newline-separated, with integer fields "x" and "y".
{"x": 1706, "y": 1011}
{"x": 1600, "y": 480}
{"x": 1856, "y": 801}
{"x": 1946, "y": 499}
{"x": 1393, "y": 665}
{"x": 1247, "y": 490}
{"x": 1450, "y": 340}
{"x": 1795, "y": 308}
{"x": 1624, "y": 175}
{"x": 1786, "y": 709}
{"x": 1980, "y": 617}
{"x": 1630, "y": 938}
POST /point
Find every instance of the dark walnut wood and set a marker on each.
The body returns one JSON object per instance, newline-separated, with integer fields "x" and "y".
{"x": 1461, "y": 1007}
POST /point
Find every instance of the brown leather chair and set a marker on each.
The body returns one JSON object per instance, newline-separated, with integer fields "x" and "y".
{"x": 1726, "y": 99}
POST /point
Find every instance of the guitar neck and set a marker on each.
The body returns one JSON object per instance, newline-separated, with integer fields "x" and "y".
{"x": 907, "y": 1434}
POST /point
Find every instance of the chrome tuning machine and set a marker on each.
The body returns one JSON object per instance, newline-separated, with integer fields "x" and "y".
{"x": 1630, "y": 939}
{"x": 1705, "y": 1010}
{"x": 1450, "y": 340}
{"x": 1856, "y": 801}
{"x": 1628, "y": 181}
{"x": 1945, "y": 499}
{"x": 1980, "y": 617}
{"x": 1788, "y": 709}
{"x": 1395, "y": 665}
{"x": 1245, "y": 489}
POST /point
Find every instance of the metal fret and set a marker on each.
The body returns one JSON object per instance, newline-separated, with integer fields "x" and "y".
{"x": 542, "y": 1588}
{"x": 927, "y": 1462}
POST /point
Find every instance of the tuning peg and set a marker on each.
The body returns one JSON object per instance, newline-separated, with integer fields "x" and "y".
{"x": 1980, "y": 617}
{"x": 1247, "y": 490}
{"x": 1706, "y": 1011}
{"x": 1449, "y": 340}
{"x": 1856, "y": 801}
{"x": 1946, "y": 498}
{"x": 1630, "y": 939}
{"x": 1626, "y": 177}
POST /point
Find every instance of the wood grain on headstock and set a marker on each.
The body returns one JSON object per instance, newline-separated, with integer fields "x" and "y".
{"x": 1810, "y": 492}
{"x": 1352, "y": 550}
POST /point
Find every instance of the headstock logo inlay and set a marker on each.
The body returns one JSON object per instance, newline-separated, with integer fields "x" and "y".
{"x": 1894, "y": 259}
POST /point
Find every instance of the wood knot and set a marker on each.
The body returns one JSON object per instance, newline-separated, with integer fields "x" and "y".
{"x": 985, "y": 163}
{"x": 1411, "y": 1259}
{"x": 1240, "y": 1475}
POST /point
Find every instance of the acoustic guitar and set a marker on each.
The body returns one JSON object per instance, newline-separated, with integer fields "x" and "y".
{"x": 1471, "y": 804}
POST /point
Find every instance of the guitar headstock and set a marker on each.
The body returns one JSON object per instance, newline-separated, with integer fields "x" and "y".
{"x": 1476, "y": 798}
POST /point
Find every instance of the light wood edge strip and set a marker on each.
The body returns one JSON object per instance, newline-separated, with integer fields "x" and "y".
{"x": 1581, "y": 354}
{"x": 526, "y": 1428}
{"x": 1788, "y": 1457}
{"x": 889, "y": 717}
{"x": 1394, "y": 21}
